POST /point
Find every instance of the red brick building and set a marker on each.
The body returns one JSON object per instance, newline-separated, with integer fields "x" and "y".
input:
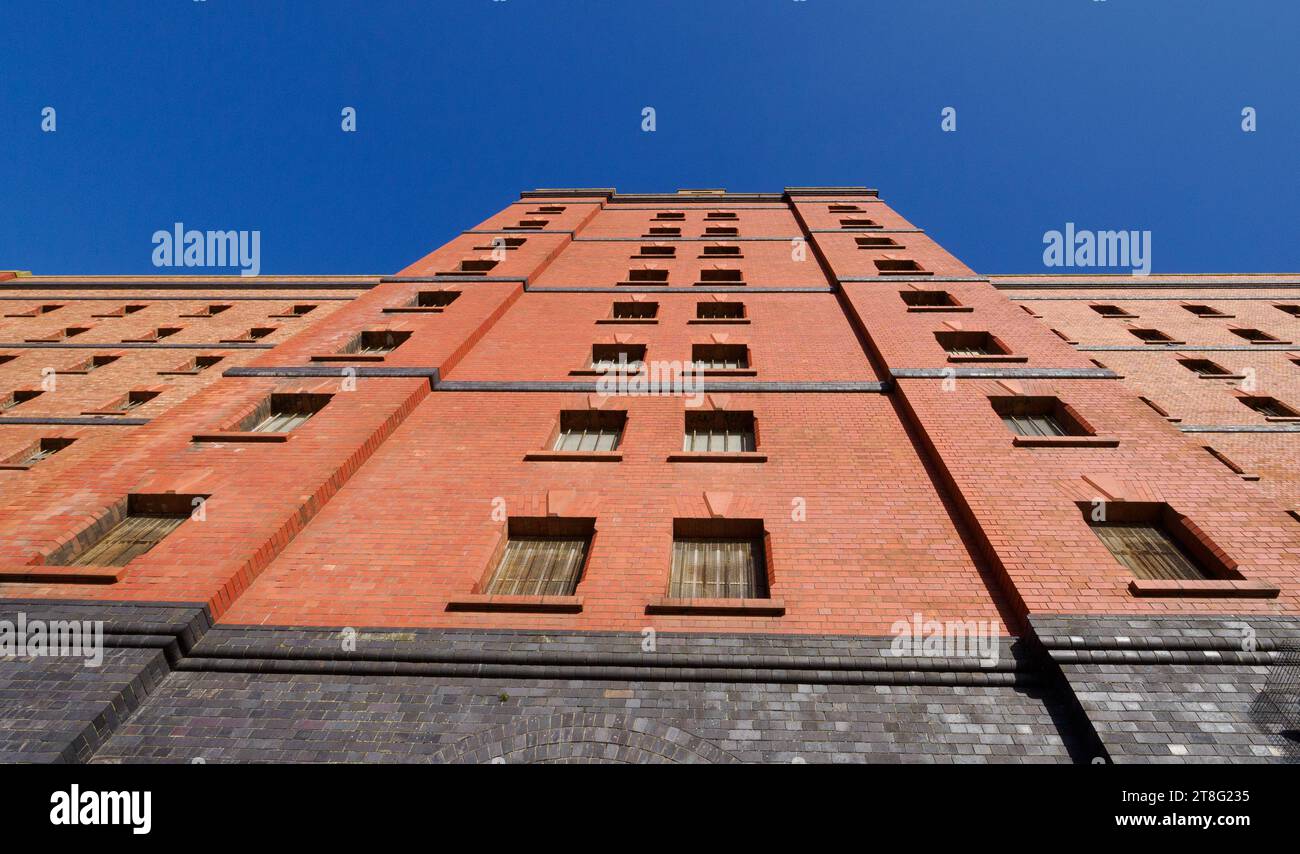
{"x": 337, "y": 494}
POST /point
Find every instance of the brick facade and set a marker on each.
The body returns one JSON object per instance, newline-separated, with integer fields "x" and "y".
{"x": 883, "y": 480}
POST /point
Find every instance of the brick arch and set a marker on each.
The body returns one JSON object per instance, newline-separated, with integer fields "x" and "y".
{"x": 584, "y": 737}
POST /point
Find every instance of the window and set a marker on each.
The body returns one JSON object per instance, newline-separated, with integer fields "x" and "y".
{"x": 434, "y": 299}
{"x": 720, "y": 215}
{"x": 251, "y": 335}
{"x": 1151, "y": 336}
{"x": 898, "y": 267}
{"x": 202, "y": 363}
{"x": 472, "y": 267}
{"x": 720, "y": 357}
{"x": 1037, "y": 416}
{"x": 1256, "y": 336}
{"x": 35, "y": 312}
{"x": 91, "y": 364}
{"x": 121, "y": 311}
{"x": 970, "y": 344}
{"x": 1269, "y": 406}
{"x": 300, "y": 310}
{"x": 377, "y": 342}
{"x": 148, "y": 520}
{"x": 716, "y": 276}
{"x": 719, "y": 431}
{"x": 718, "y": 559}
{"x": 1148, "y": 551}
{"x": 647, "y": 277}
{"x": 657, "y": 252}
{"x": 589, "y": 430}
{"x": 664, "y": 231}
{"x": 136, "y": 399}
{"x": 1204, "y": 311}
{"x": 155, "y": 335}
{"x": 635, "y": 310}
{"x": 44, "y": 449}
{"x": 216, "y": 309}
{"x": 549, "y": 209}
{"x": 506, "y": 243}
{"x": 542, "y": 557}
{"x": 720, "y": 310}
{"x": 17, "y": 398}
{"x": 1110, "y": 311}
{"x": 877, "y": 243}
{"x": 843, "y": 208}
{"x": 1204, "y": 367}
{"x": 207, "y": 311}
{"x": 720, "y": 252}
{"x": 528, "y": 225}
{"x": 858, "y": 222}
{"x": 721, "y": 231}
{"x": 1293, "y": 310}
{"x": 670, "y": 215}
{"x": 284, "y": 412}
{"x": 928, "y": 299}
{"x": 609, "y": 357}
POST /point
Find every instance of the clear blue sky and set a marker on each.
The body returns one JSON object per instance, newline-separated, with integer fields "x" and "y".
{"x": 225, "y": 114}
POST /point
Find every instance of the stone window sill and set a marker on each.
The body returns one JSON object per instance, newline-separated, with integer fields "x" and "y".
{"x": 486, "y": 603}
{"x": 1227, "y": 588}
{"x": 717, "y": 457}
{"x": 575, "y": 456}
{"x": 1065, "y": 442}
{"x": 717, "y": 607}
{"x": 240, "y": 436}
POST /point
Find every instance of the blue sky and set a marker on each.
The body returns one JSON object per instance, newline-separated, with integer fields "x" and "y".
{"x": 225, "y": 114}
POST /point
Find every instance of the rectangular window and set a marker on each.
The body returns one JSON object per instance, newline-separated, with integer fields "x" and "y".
{"x": 970, "y": 344}
{"x": 664, "y": 231}
{"x": 648, "y": 277}
{"x": 858, "y": 222}
{"x": 1270, "y": 407}
{"x": 1204, "y": 367}
{"x": 377, "y": 342}
{"x": 721, "y": 231}
{"x": 719, "y": 310}
{"x": 609, "y": 357}
{"x": 718, "y": 561}
{"x": 528, "y": 225}
{"x": 678, "y": 215}
{"x": 657, "y": 252}
{"x": 1204, "y": 311}
{"x": 506, "y": 243}
{"x": 136, "y": 399}
{"x": 719, "y": 431}
{"x": 720, "y": 215}
{"x": 590, "y": 430}
{"x": 1293, "y": 310}
{"x": 877, "y": 243}
{"x": 898, "y": 267}
{"x": 18, "y": 398}
{"x": 844, "y": 208}
{"x": 1037, "y": 416}
{"x": 542, "y": 557}
{"x": 1151, "y": 336}
{"x": 1148, "y": 551}
{"x": 720, "y": 252}
{"x": 148, "y": 520}
{"x": 44, "y": 449}
{"x": 721, "y": 277}
{"x": 635, "y": 310}
{"x": 720, "y": 357}
{"x": 285, "y": 412}
{"x": 548, "y": 209}
{"x": 1110, "y": 311}
{"x": 472, "y": 267}
{"x": 1255, "y": 336}
{"x": 928, "y": 299}
{"x": 434, "y": 299}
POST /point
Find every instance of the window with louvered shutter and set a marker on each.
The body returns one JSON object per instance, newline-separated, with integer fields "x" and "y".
{"x": 539, "y": 566}
{"x": 716, "y": 568}
{"x": 1148, "y": 551}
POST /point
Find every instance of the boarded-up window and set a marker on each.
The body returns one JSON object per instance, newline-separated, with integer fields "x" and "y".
{"x": 1148, "y": 551}
{"x": 589, "y": 430}
{"x": 719, "y": 431}
{"x": 723, "y": 561}
{"x": 541, "y": 557}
